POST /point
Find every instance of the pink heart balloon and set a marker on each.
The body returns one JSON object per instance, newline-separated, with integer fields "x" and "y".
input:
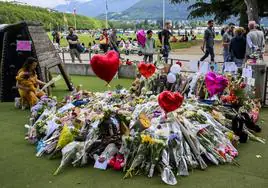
{"x": 215, "y": 84}
{"x": 141, "y": 37}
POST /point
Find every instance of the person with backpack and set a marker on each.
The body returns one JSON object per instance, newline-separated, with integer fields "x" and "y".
{"x": 149, "y": 47}
{"x": 164, "y": 37}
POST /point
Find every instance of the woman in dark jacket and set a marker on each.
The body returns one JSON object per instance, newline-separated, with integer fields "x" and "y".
{"x": 238, "y": 47}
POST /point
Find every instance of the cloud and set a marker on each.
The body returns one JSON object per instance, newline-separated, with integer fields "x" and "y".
{"x": 46, "y": 3}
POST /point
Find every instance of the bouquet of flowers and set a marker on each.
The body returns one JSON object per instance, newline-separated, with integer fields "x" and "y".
{"x": 140, "y": 156}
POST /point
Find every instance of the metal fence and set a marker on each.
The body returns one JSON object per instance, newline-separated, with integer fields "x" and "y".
{"x": 86, "y": 57}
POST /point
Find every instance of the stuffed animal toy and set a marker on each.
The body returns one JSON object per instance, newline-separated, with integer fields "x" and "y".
{"x": 117, "y": 162}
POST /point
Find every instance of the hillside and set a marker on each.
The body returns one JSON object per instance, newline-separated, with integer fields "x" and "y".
{"x": 10, "y": 13}
{"x": 94, "y": 8}
{"x": 151, "y": 9}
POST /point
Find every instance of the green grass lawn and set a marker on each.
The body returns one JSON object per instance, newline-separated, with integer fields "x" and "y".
{"x": 93, "y": 84}
{"x": 21, "y": 169}
{"x": 201, "y": 36}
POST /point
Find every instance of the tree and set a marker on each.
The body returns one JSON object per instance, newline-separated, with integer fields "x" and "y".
{"x": 10, "y": 13}
{"x": 224, "y": 9}
{"x": 146, "y": 22}
{"x": 252, "y": 10}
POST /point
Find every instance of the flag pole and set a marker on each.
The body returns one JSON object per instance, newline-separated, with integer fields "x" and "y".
{"x": 75, "y": 18}
{"x": 106, "y": 14}
{"x": 75, "y": 22}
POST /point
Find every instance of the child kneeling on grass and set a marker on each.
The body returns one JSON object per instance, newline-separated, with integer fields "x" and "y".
{"x": 28, "y": 83}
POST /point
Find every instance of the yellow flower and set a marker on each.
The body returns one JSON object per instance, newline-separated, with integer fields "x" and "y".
{"x": 230, "y": 136}
{"x": 147, "y": 139}
{"x": 65, "y": 138}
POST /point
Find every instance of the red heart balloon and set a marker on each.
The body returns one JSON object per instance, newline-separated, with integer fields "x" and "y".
{"x": 146, "y": 70}
{"x": 105, "y": 66}
{"x": 170, "y": 101}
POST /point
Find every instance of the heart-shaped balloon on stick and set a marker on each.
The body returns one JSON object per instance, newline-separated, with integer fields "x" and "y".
{"x": 175, "y": 69}
{"x": 146, "y": 70}
{"x": 215, "y": 84}
{"x": 170, "y": 101}
{"x": 105, "y": 66}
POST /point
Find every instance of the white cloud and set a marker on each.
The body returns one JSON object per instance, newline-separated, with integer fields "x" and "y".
{"x": 45, "y": 3}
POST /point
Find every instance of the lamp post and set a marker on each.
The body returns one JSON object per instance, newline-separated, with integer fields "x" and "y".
{"x": 164, "y": 9}
{"x": 106, "y": 12}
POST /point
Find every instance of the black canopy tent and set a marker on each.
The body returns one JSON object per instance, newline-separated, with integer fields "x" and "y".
{"x": 12, "y": 60}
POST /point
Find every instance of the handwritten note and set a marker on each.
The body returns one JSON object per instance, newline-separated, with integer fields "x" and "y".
{"x": 204, "y": 67}
{"x": 192, "y": 66}
{"x": 101, "y": 165}
{"x": 24, "y": 45}
{"x": 247, "y": 72}
{"x": 230, "y": 67}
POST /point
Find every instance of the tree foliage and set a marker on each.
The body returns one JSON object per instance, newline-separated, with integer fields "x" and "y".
{"x": 11, "y": 13}
{"x": 222, "y": 10}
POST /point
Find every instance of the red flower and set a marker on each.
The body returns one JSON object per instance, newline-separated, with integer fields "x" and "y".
{"x": 242, "y": 85}
{"x": 128, "y": 62}
{"x": 224, "y": 99}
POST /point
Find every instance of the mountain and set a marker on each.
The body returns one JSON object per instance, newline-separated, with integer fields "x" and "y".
{"x": 128, "y": 9}
{"x": 152, "y": 9}
{"x": 93, "y": 8}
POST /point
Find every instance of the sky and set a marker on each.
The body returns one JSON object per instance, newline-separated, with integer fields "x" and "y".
{"x": 45, "y": 3}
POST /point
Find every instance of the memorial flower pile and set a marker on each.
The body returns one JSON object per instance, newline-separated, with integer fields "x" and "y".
{"x": 133, "y": 134}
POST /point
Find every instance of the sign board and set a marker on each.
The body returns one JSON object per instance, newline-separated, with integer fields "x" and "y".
{"x": 24, "y": 45}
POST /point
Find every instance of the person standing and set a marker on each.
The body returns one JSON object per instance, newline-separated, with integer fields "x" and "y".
{"x": 164, "y": 39}
{"x": 209, "y": 42}
{"x": 113, "y": 40}
{"x": 58, "y": 37}
{"x": 226, "y": 39}
{"x": 238, "y": 47}
{"x": 73, "y": 42}
{"x": 54, "y": 36}
{"x": 149, "y": 47}
{"x": 255, "y": 41}
{"x": 104, "y": 41}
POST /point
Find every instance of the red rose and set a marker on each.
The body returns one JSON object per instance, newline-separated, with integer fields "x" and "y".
{"x": 242, "y": 85}
{"x": 128, "y": 62}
